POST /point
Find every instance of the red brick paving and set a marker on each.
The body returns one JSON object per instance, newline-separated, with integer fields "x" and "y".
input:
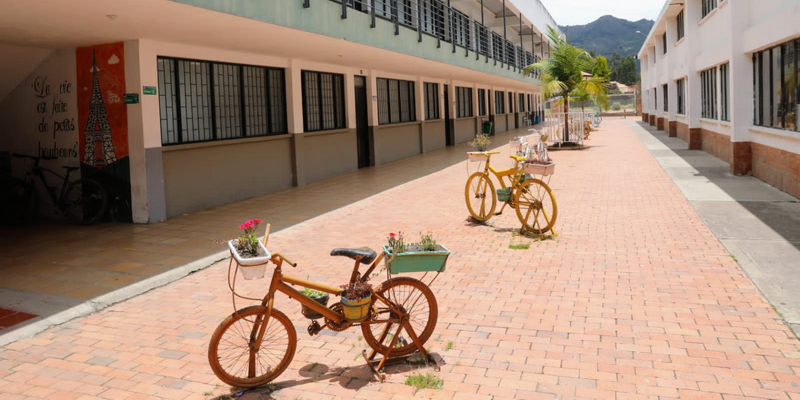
{"x": 636, "y": 299}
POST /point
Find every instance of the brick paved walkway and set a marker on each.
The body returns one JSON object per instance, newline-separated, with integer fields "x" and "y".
{"x": 635, "y": 299}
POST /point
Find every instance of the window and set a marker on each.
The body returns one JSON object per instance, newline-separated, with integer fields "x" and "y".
{"x": 463, "y": 102}
{"x": 665, "y": 90}
{"x": 395, "y": 101}
{"x": 510, "y": 102}
{"x": 200, "y": 101}
{"x": 681, "y": 27}
{"x": 664, "y": 41}
{"x": 431, "y": 101}
{"x": 708, "y": 6}
{"x": 481, "y": 101}
{"x": 655, "y": 99}
{"x": 499, "y": 103}
{"x": 708, "y": 94}
{"x": 724, "y": 104}
{"x": 521, "y": 102}
{"x": 323, "y": 101}
{"x": 776, "y": 86}
{"x": 681, "y": 84}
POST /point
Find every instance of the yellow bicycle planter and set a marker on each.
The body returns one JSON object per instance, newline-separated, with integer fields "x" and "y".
{"x": 526, "y": 192}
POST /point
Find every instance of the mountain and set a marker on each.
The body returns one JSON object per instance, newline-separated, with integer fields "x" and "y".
{"x": 608, "y": 35}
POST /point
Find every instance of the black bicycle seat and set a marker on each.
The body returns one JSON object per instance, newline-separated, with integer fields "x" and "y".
{"x": 364, "y": 255}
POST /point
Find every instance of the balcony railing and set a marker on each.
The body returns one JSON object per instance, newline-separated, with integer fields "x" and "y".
{"x": 447, "y": 24}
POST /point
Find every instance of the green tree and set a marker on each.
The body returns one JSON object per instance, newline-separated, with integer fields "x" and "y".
{"x": 562, "y": 72}
{"x": 601, "y": 67}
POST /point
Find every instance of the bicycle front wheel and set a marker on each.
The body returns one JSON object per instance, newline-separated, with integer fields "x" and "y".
{"x": 412, "y": 297}
{"x": 232, "y": 352}
{"x": 480, "y": 197}
{"x": 536, "y": 206}
{"x": 85, "y": 201}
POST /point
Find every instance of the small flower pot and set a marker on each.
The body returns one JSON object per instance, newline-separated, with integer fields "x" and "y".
{"x": 356, "y": 311}
{"x": 476, "y": 156}
{"x": 503, "y": 194}
{"x": 540, "y": 169}
{"x": 251, "y": 267}
{"x": 310, "y": 313}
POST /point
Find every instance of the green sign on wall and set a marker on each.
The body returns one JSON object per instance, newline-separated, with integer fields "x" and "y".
{"x": 131, "y": 98}
{"x": 149, "y": 89}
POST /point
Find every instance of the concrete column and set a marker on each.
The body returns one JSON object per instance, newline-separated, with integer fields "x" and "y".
{"x": 693, "y": 13}
{"x": 419, "y": 96}
{"x": 740, "y": 90}
{"x": 451, "y": 93}
{"x": 294, "y": 121}
{"x": 148, "y": 201}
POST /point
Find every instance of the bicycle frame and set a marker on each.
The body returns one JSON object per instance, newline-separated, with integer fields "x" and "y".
{"x": 38, "y": 171}
{"x": 511, "y": 173}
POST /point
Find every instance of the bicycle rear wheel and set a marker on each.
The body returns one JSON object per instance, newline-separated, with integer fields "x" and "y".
{"x": 230, "y": 351}
{"x": 85, "y": 201}
{"x": 414, "y": 298}
{"x": 536, "y": 206}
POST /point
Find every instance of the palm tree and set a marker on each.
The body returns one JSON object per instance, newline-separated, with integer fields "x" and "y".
{"x": 562, "y": 73}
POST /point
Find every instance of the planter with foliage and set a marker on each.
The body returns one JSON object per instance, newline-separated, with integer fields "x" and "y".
{"x": 319, "y": 297}
{"x": 425, "y": 256}
{"x": 480, "y": 144}
{"x": 250, "y": 252}
{"x": 356, "y": 300}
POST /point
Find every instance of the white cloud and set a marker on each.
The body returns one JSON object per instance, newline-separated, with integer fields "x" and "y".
{"x": 113, "y": 60}
{"x": 581, "y": 12}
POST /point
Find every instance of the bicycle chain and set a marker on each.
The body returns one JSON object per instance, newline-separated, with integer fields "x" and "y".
{"x": 333, "y": 325}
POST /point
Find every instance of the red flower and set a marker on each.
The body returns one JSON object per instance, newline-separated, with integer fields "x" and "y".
{"x": 257, "y": 221}
{"x": 392, "y": 235}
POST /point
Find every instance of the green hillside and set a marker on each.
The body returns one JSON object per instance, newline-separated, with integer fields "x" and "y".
{"x": 609, "y": 35}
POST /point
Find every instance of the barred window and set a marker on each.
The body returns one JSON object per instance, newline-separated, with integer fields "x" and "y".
{"x": 323, "y": 101}
{"x": 395, "y": 101}
{"x": 681, "y": 27}
{"x": 201, "y": 101}
{"x": 521, "y": 102}
{"x": 708, "y": 6}
{"x": 708, "y": 94}
{"x": 681, "y": 84}
{"x": 481, "y": 101}
{"x": 463, "y": 102}
{"x": 510, "y": 102}
{"x": 499, "y": 103}
{"x": 431, "y": 101}
{"x": 665, "y": 89}
{"x": 776, "y": 87}
{"x": 724, "y": 100}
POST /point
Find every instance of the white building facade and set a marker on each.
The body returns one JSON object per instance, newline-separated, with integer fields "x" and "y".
{"x": 723, "y": 76}
{"x": 206, "y": 102}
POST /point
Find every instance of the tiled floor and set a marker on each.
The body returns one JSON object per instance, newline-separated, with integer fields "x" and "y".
{"x": 636, "y": 299}
{"x": 61, "y": 265}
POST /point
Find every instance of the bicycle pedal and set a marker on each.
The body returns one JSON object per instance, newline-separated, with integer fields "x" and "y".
{"x": 499, "y": 213}
{"x": 313, "y": 328}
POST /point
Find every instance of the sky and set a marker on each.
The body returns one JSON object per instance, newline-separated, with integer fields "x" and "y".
{"x": 581, "y": 12}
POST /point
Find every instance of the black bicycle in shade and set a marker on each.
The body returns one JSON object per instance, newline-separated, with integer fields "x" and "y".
{"x": 84, "y": 200}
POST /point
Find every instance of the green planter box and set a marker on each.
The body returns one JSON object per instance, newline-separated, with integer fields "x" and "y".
{"x": 422, "y": 261}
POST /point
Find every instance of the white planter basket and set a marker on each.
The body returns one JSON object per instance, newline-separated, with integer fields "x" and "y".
{"x": 253, "y": 267}
{"x": 477, "y": 157}
{"x": 539, "y": 169}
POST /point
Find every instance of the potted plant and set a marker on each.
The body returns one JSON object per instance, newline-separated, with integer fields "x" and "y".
{"x": 250, "y": 252}
{"x": 480, "y": 144}
{"x": 356, "y": 300}
{"x": 319, "y": 297}
{"x": 538, "y": 162}
{"x": 427, "y": 255}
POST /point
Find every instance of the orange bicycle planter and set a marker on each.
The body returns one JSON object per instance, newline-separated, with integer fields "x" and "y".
{"x": 527, "y": 192}
{"x": 254, "y": 345}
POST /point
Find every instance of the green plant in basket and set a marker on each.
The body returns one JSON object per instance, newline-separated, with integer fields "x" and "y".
{"x": 481, "y": 142}
{"x": 312, "y": 293}
{"x": 427, "y": 241}
{"x": 396, "y": 242}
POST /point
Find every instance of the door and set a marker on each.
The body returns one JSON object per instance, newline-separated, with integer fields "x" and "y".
{"x": 447, "y": 127}
{"x": 362, "y": 123}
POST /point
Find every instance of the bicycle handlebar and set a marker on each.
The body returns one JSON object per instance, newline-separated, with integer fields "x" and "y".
{"x": 17, "y": 155}
{"x": 282, "y": 257}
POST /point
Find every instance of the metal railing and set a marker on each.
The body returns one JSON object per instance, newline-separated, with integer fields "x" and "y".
{"x": 447, "y": 24}
{"x": 564, "y": 127}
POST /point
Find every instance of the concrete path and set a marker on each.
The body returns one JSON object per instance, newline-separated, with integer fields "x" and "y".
{"x": 758, "y": 224}
{"x": 635, "y": 299}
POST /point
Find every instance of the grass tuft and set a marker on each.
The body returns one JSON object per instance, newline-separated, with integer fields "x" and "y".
{"x": 449, "y": 346}
{"x": 520, "y": 246}
{"x": 427, "y": 381}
